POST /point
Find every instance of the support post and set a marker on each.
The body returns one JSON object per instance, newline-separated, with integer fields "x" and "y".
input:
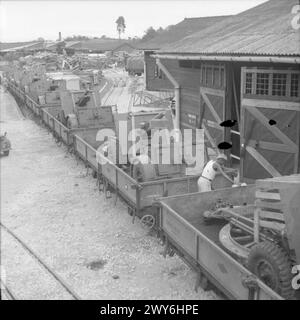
{"x": 177, "y": 92}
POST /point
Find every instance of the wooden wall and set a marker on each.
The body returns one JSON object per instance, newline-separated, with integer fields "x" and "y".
{"x": 154, "y": 83}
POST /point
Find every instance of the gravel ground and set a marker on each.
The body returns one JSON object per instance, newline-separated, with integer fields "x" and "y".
{"x": 50, "y": 202}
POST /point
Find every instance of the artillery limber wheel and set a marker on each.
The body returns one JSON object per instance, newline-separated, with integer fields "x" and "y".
{"x": 271, "y": 264}
{"x": 148, "y": 221}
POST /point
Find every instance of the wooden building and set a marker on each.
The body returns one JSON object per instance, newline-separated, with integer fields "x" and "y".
{"x": 155, "y": 78}
{"x": 243, "y": 68}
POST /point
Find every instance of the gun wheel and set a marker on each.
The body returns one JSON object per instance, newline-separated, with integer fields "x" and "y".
{"x": 271, "y": 264}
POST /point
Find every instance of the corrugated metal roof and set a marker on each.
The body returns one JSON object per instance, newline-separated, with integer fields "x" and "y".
{"x": 184, "y": 28}
{"x": 263, "y": 30}
{"x": 99, "y": 44}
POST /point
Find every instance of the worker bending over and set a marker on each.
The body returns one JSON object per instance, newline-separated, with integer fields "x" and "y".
{"x": 211, "y": 169}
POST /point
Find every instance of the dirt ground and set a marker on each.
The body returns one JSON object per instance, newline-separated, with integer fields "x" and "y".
{"x": 50, "y": 202}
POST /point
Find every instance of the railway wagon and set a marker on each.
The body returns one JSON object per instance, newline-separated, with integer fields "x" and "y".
{"x": 139, "y": 196}
{"x": 46, "y": 114}
{"x": 31, "y": 104}
{"x": 197, "y": 242}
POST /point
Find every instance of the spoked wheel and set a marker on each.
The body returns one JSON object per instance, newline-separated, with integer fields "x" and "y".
{"x": 147, "y": 221}
{"x": 271, "y": 264}
{"x": 236, "y": 240}
{"x": 241, "y": 237}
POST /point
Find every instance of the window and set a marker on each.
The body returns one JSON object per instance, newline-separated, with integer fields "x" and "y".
{"x": 208, "y": 76}
{"x": 212, "y": 76}
{"x": 294, "y": 85}
{"x": 275, "y": 84}
{"x": 279, "y": 84}
{"x": 262, "y": 84}
{"x": 203, "y": 75}
{"x": 248, "y": 83}
{"x": 216, "y": 77}
{"x": 222, "y": 78}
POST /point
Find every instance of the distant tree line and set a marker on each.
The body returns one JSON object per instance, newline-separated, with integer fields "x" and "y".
{"x": 149, "y": 34}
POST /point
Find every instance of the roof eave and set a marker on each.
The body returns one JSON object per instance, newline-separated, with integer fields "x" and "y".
{"x": 294, "y": 59}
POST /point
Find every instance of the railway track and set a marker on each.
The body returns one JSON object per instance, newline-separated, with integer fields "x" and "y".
{"x": 8, "y": 291}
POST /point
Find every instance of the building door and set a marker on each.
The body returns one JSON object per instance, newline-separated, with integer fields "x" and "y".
{"x": 212, "y": 103}
{"x": 270, "y": 121}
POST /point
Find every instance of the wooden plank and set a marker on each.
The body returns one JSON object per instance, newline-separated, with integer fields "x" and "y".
{"x": 236, "y": 104}
{"x": 211, "y": 108}
{"x": 289, "y": 178}
{"x": 273, "y": 129}
{"x": 271, "y": 104}
{"x": 296, "y": 164}
{"x": 272, "y": 225}
{"x": 265, "y": 214}
{"x": 256, "y": 225}
{"x": 267, "y": 195}
{"x": 280, "y": 182}
{"x": 209, "y": 137}
{"x": 272, "y": 146}
{"x": 215, "y": 92}
{"x": 263, "y": 162}
{"x": 262, "y": 203}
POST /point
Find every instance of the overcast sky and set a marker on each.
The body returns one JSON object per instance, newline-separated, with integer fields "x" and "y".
{"x": 28, "y": 20}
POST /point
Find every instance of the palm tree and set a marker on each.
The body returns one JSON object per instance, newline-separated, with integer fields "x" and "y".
{"x": 120, "y": 25}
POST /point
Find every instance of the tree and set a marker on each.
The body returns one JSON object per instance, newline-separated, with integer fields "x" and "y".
{"x": 149, "y": 34}
{"x": 120, "y": 25}
{"x": 76, "y": 38}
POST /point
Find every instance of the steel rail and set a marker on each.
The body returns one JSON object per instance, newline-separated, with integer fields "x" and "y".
{"x": 7, "y": 291}
{"x": 36, "y": 257}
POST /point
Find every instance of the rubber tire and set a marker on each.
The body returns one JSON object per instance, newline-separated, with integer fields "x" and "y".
{"x": 280, "y": 262}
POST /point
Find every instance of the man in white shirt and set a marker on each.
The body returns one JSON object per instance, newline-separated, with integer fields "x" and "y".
{"x": 211, "y": 169}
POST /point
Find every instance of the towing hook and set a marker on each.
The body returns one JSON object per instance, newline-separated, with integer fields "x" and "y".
{"x": 250, "y": 282}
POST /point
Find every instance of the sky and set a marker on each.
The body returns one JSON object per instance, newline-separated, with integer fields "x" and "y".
{"x": 29, "y": 20}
